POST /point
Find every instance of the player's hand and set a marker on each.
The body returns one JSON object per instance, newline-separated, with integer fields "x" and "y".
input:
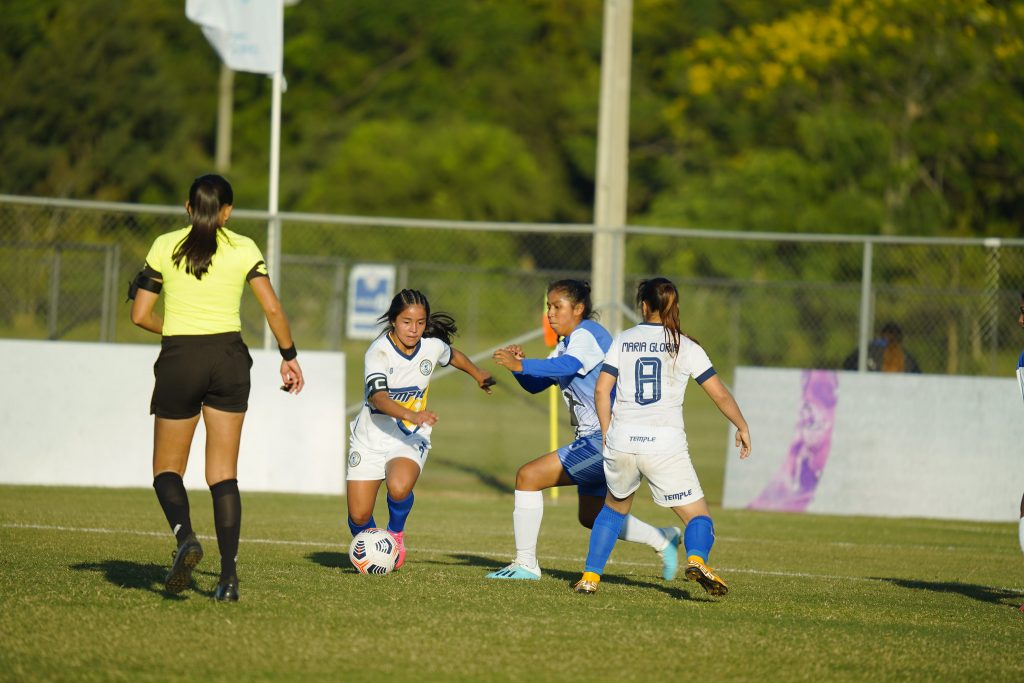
{"x": 508, "y": 359}
{"x": 486, "y": 382}
{"x": 516, "y": 350}
{"x": 423, "y": 417}
{"x": 743, "y": 443}
{"x": 291, "y": 376}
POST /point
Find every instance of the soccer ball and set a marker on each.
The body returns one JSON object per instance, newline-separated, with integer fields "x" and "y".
{"x": 373, "y": 551}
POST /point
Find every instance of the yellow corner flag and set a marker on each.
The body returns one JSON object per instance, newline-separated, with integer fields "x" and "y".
{"x": 551, "y": 339}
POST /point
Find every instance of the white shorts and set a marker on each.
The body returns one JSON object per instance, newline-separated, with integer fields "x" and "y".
{"x": 671, "y": 476}
{"x": 365, "y": 464}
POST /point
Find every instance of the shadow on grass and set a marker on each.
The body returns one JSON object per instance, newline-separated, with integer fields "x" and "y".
{"x": 138, "y": 576}
{"x": 331, "y": 560}
{"x": 570, "y": 578}
{"x": 996, "y": 596}
{"x": 486, "y": 478}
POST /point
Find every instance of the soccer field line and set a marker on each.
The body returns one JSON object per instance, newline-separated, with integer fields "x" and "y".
{"x": 448, "y": 551}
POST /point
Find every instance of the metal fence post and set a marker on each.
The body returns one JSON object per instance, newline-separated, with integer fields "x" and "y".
{"x": 54, "y": 303}
{"x": 864, "y": 331}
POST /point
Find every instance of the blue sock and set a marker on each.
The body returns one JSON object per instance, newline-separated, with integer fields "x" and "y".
{"x": 356, "y": 528}
{"x": 699, "y": 537}
{"x": 398, "y": 511}
{"x": 602, "y": 539}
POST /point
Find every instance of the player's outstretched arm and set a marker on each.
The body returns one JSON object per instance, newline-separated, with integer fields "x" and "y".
{"x": 482, "y": 377}
{"x": 720, "y": 394}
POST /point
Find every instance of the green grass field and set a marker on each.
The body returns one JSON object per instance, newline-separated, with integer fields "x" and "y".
{"x": 813, "y": 597}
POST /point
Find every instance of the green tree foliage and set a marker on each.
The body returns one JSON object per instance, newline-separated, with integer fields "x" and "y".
{"x": 866, "y": 116}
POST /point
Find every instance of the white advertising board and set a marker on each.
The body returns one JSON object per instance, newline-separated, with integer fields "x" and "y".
{"x": 78, "y": 414}
{"x": 879, "y": 444}
{"x": 370, "y": 289}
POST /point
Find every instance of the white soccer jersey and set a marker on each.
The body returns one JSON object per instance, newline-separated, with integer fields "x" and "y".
{"x": 407, "y": 379}
{"x": 647, "y": 415}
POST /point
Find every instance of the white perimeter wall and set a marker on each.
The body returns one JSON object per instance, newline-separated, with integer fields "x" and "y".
{"x": 78, "y": 414}
{"x": 902, "y": 445}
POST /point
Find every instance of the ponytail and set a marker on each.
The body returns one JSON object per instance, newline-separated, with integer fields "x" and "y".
{"x": 439, "y": 325}
{"x": 207, "y": 196}
{"x": 662, "y": 297}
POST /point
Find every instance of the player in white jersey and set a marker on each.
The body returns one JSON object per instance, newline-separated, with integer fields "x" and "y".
{"x": 647, "y": 369}
{"x": 390, "y": 437}
{"x": 573, "y": 367}
{"x": 1020, "y": 380}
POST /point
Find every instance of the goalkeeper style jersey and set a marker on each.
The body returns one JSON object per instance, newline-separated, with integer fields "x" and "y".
{"x": 406, "y": 378}
{"x": 208, "y": 305}
{"x": 651, "y": 377}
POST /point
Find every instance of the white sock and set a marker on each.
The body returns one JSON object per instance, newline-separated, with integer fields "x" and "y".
{"x": 639, "y": 531}
{"x": 1022, "y": 534}
{"x": 526, "y": 519}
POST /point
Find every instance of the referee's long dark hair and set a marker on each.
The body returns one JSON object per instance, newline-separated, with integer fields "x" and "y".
{"x": 207, "y": 196}
{"x": 662, "y": 297}
{"x": 439, "y": 325}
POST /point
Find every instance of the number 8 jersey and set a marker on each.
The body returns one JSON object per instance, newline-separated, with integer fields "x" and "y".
{"x": 647, "y": 415}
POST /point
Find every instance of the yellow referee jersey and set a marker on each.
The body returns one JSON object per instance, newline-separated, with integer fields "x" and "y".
{"x": 210, "y": 305}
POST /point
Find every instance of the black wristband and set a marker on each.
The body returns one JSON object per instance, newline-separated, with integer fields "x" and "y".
{"x": 290, "y": 353}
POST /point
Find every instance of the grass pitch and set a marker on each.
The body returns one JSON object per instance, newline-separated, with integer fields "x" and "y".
{"x": 812, "y": 597}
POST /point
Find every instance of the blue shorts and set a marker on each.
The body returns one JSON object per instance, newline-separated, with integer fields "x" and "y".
{"x": 583, "y": 462}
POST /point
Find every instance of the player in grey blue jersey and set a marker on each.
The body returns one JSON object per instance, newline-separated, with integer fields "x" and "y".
{"x": 573, "y": 367}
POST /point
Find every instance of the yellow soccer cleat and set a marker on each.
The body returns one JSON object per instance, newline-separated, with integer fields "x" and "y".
{"x": 697, "y": 571}
{"x": 588, "y": 584}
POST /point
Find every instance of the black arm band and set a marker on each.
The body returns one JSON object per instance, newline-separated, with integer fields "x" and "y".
{"x": 290, "y": 353}
{"x": 143, "y": 281}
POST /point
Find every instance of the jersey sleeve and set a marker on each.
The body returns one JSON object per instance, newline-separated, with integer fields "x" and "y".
{"x": 154, "y": 259}
{"x": 583, "y": 346}
{"x": 253, "y": 260}
{"x": 375, "y": 373}
{"x": 698, "y": 364}
{"x": 611, "y": 359}
{"x": 444, "y": 358}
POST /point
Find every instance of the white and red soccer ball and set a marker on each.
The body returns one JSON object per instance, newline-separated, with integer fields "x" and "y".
{"x": 373, "y": 551}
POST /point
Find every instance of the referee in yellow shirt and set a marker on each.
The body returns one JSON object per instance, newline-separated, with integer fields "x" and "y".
{"x": 203, "y": 367}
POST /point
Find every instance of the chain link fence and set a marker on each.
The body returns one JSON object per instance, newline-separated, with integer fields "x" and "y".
{"x": 779, "y": 300}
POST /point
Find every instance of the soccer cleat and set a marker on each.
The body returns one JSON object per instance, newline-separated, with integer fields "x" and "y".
{"x": 399, "y": 537}
{"x": 516, "y": 571}
{"x": 186, "y": 557}
{"x": 588, "y": 583}
{"x": 697, "y": 571}
{"x": 670, "y": 553}
{"x": 227, "y": 590}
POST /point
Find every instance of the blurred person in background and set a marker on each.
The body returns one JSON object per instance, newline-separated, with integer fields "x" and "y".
{"x": 203, "y": 367}
{"x": 886, "y": 353}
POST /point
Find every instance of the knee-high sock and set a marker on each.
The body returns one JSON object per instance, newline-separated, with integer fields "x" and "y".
{"x": 170, "y": 491}
{"x": 356, "y": 528}
{"x": 602, "y": 539}
{"x": 526, "y": 519}
{"x": 227, "y": 519}
{"x": 639, "y": 531}
{"x": 398, "y": 512}
{"x": 699, "y": 537}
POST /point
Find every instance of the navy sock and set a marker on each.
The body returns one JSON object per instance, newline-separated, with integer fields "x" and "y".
{"x": 398, "y": 511}
{"x": 602, "y": 539}
{"x": 170, "y": 491}
{"x": 227, "y": 519}
{"x": 699, "y": 537}
{"x": 356, "y": 528}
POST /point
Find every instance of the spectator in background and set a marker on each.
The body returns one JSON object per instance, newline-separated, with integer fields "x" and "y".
{"x": 886, "y": 353}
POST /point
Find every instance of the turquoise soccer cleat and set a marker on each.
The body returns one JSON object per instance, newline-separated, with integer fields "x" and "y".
{"x": 516, "y": 571}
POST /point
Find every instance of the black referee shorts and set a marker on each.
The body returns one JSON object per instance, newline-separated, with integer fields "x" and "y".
{"x": 202, "y": 369}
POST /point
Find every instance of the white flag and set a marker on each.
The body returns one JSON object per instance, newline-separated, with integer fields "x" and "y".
{"x": 247, "y": 34}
